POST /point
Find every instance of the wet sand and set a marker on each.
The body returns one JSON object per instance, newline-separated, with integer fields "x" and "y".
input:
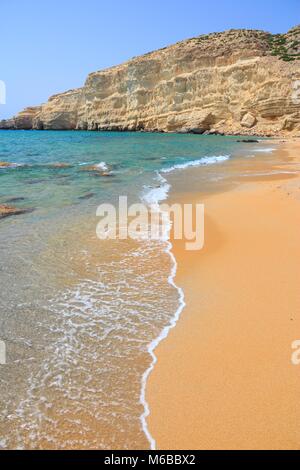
{"x": 224, "y": 377}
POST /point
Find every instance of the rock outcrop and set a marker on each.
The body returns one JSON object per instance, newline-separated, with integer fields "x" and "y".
{"x": 236, "y": 82}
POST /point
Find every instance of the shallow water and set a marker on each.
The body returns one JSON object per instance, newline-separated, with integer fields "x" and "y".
{"x": 78, "y": 314}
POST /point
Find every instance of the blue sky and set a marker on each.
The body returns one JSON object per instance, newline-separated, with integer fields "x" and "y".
{"x": 51, "y": 46}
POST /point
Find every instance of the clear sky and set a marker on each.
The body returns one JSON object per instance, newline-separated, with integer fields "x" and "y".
{"x": 51, "y": 46}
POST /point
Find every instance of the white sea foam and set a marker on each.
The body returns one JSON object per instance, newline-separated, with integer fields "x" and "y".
{"x": 153, "y": 197}
{"x": 89, "y": 309}
{"x": 10, "y": 165}
{"x": 201, "y": 161}
{"x": 102, "y": 166}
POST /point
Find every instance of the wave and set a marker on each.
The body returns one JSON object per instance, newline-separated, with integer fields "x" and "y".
{"x": 153, "y": 345}
{"x": 201, "y": 161}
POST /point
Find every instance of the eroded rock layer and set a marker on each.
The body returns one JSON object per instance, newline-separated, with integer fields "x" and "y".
{"x": 239, "y": 81}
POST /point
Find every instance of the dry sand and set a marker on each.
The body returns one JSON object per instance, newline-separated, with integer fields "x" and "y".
{"x": 224, "y": 377}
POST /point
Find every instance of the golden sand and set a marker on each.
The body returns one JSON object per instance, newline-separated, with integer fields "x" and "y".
{"x": 224, "y": 377}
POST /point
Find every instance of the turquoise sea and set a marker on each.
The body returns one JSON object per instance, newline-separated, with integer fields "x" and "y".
{"x": 78, "y": 314}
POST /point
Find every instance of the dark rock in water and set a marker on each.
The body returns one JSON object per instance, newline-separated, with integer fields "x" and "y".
{"x": 7, "y": 211}
{"x": 87, "y": 196}
{"x": 14, "y": 199}
{"x": 249, "y": 141}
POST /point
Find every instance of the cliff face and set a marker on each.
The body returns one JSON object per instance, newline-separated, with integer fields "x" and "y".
{"x": 239, "y": 81}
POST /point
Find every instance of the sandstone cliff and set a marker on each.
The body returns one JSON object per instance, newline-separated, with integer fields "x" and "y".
{"x": 239, "y": 81}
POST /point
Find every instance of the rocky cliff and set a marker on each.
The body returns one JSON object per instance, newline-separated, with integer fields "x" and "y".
{"x": 239, "y": 81}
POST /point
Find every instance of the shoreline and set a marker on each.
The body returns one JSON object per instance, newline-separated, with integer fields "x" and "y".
{"x": 175, "y": 393}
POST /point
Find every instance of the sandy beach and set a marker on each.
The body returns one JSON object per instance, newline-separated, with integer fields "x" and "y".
{"x": 224, "y": 377}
